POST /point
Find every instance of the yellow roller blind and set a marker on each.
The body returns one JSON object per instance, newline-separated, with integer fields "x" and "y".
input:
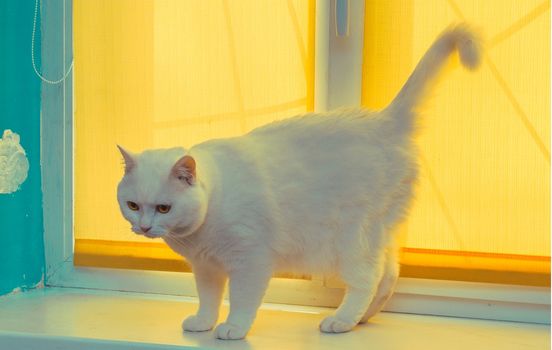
{"x": 170, "y": 72}
{"x": 483, "y": 201}
{"x": 161, "y": 73}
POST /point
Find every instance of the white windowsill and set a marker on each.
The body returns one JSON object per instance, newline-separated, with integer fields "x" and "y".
{"x": 66, "y": 318}
{"x": 412, "y": 296}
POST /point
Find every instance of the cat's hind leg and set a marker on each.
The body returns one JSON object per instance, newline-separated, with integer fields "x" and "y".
{"x": 386, "y": 285}
{"x": 361, "y": 268}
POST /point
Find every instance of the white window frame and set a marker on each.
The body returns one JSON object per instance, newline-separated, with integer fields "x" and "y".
{"x": 338, "y": 68}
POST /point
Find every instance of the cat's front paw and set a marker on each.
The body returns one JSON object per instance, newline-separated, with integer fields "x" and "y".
{"x": 197, "y": 324}
{"x": 332, "y": 324}
{"x": 230, "y": 331}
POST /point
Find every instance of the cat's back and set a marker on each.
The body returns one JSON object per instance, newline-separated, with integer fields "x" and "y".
{"x": 340, "y": 154}
{"x": 320, "y": 126}
{"x": 343, "y": 140}
{"x": 315, "y": 150}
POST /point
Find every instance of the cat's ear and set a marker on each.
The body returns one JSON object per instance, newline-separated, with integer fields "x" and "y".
{"x": 185, "y": 169}
{"x": 128, "y": 157}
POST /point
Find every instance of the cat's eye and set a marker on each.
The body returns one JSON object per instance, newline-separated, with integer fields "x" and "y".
{"x": 133, "y": 206}
{"x": 163, "y": 208}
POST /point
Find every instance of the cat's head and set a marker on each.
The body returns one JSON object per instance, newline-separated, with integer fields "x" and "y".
{"x": 160, "y": 193}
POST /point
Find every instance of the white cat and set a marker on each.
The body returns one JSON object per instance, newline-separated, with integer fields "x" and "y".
{"x": 319, "y": 193}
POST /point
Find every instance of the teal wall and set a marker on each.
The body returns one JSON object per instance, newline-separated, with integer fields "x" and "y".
{"x": 21, "y": 222}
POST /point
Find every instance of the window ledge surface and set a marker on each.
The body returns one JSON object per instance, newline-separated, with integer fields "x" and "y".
{"x": 66, "y": 318}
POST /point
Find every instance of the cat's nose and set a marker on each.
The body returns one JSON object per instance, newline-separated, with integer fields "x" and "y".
{"x": 145, "y": 229}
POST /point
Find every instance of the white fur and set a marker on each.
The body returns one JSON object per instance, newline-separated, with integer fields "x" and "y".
{"x": 319, "y": 193}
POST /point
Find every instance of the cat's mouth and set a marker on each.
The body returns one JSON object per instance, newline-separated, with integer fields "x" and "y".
{"x": 178, "y": 231}
{"x": 148, "y": 234}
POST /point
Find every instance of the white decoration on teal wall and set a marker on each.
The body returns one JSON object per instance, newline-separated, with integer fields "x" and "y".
{"x": 14, "y": 164}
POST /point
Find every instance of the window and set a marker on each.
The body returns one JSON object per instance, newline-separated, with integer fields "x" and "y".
{"x": 140, "y": 81}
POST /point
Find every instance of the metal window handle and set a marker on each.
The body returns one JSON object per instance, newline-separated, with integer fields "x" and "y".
{"x": 342, "y": 18}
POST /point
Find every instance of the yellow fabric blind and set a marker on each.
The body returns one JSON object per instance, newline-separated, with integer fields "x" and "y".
{"x": 159, "y": 73}
{"x": 162, "y": 73}
{"x": 483, "y": 201}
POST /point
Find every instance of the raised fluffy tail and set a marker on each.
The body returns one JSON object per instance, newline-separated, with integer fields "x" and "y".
{"x": 458, "y": 37}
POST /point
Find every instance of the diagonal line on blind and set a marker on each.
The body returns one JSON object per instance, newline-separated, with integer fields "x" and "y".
{"x": 519, "y": 24}
{"x": 517, "y": 107}
{"x": 442, "y": 203}
{"x": 235, "y": 68}
{"x": 456, "y": 10}
{"x": 519, "y": 111}
{"x": 185, "y": 121}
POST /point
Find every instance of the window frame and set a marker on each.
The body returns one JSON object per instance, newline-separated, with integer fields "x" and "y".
{"x": 338, "y": 80}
